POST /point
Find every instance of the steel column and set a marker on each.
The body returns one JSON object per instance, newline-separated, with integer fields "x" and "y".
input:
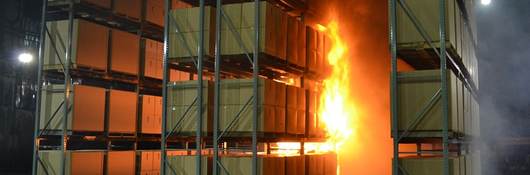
{"x": 67, "y": 84}
{"x": 198, "y": 139}
{"x": 36, "y": 129}
{"x": 255, "y": 73}
{"x": 393, "y": 86}
{"x": 445, "y": 99}
{"x": 217, "y": 87}
{"x": 163, "y": 142}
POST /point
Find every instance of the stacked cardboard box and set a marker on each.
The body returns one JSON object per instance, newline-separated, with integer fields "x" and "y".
{"x": 87, "y": 105}
{"x": 154, "y": 57}
{"x": 283, "y": 108}
{"x": 459, "y": 40}
{"x": 318, "y": 46}
{"x": 315, "y": 127}
{"x": 296, "y": 110}
{"x": 266, "y": 165}
{"x": 182, "y": 109}
{"x": 149, "y": 162}
{"x": 433, "y": 165}
{"x": 296, "y": 42}
{"x": 77, "y": 162}
{"x": 151, "y": 114}
{"x": 273, "y": 29}
{"x": 129, "y": 8}
{"x": 235, "y": 93}
{"x": 295, "y": 165}
{"x": 125, "y": 52}
{"x": 184, "y": 32}
{"x": 122, "y": 111}
{"x": 416, "y": 88}
{"x": 155, "y": 10}
{"x": 321, "y": 164}
{"x": 89, "y": 45}
{"x": 281, "y": 36}
{"x": 178, "y": 164}
{"x": 121, "y": 162}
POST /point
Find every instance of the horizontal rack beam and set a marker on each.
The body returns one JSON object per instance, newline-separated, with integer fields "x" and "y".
{"x": 58, "y": 10}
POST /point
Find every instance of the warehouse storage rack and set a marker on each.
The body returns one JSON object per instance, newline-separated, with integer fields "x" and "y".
{"x": 67, "y": 75}
{"x": 446, "y": 64}
{"x": 70, "y": 10}
{"x": 251, "y": 64}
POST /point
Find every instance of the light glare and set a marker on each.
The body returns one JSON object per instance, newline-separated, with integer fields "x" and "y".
{"x": 485, "y": 2}
{"x": 25, "y": 57}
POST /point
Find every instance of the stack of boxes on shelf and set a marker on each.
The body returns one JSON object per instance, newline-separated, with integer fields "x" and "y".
{"x": 184, "y": 32}
{"x": 87, "y": 108}
{"x": 88, "y": 162}
{"x": 109, "y": 52}
{"x": 282, "y": 37}
{"x": 183, "y": 105}
{"x": 283, "y": 107}
{"x": 149, "y": 162}
{"x": 417, "y": 88}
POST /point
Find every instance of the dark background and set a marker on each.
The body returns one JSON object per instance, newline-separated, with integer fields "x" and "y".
{"x": 19, "y": 27}
{"x": 504, "y": 82}
{"x": 504, "y": 60}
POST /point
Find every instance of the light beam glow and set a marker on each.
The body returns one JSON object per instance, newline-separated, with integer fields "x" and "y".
{"x": 25, "y": 57}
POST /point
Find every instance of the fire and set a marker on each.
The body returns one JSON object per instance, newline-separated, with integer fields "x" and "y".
{"x": 336, "y": 109}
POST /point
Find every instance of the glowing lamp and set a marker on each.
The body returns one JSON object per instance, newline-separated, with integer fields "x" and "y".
{"x": 25, "y": 57}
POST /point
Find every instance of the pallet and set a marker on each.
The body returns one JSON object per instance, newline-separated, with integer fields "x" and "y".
{"x": 239, "y": 66}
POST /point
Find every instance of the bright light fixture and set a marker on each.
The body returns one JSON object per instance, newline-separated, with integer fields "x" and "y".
{"x": 485, "y": 2}
{"x": 25, "y": 57}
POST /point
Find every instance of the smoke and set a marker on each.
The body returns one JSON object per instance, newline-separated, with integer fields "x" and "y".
{"x": 503, "y": 34}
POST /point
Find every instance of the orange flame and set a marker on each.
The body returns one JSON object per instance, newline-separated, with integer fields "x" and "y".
{"x": 336, "y": 109}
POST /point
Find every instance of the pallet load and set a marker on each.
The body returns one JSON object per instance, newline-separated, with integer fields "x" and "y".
{"x": 318, "y": 45}
{"x": 267, "y": 165}
{"x": 184, "y": 32}
{"x": 183, "y": 107}
{"x": 314, "y": 124}
{"x": 131, "y": 9}
{"x": 180, "y": 164}
{"x": 87, "y": 108}
{"x": 125, "y": 52}
{"x": 415, "y": 89}
{"x": 151, "y": 114}
{"x": 296, "y": 110}
{"x": 154, "y": 57}
{"x": 121, "y": 162}
{"x": 414, "y": 49}
{"x": 89, "y": 45}
{"x": 122, "y": 112}
{"x": 235, "y": 105}
{"x": 149, "y": 162}
{"x": 321, "y": 164}
{"x": 76, "y": 162}
{"x": 238, "y": 33}
{"x": 458, "y": 165}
